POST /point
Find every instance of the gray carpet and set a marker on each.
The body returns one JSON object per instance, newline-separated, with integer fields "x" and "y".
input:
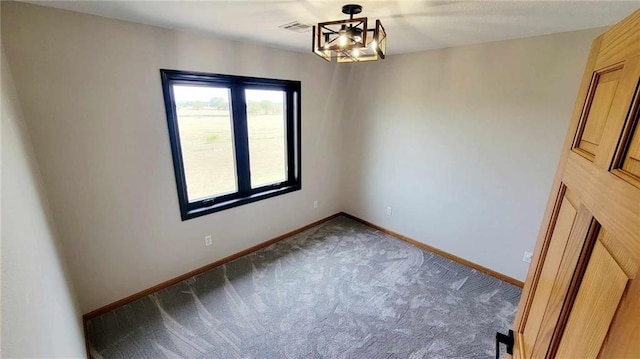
{"x": 338, "y": 290}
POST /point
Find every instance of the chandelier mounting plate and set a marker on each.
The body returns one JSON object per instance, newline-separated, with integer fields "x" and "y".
{"x": 351, "y": 9}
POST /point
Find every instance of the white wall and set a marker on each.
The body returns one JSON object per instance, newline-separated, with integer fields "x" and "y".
{"x": 91, "y": 93}
{"x": 463, "y": 143}
{"x": 40, "y": 317}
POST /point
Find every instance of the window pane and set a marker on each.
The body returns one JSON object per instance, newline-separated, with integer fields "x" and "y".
{"x": 267, "y": 145}
{"x": 206, "y": 139}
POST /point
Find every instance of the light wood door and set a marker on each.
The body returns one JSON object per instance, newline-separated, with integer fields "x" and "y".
{"x": 582, "y": 294}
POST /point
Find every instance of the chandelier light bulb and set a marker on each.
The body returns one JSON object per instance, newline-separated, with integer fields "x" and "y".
{"x": 374, "y": 44}
{"x": 342, "y": 41}
{"x": 355, "y": 52}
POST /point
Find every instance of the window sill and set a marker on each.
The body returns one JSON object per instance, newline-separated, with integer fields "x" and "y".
{"x": 238, "y": 202}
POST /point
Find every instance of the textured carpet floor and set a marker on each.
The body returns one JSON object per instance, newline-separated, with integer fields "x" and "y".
{"x": 339, "y": 290}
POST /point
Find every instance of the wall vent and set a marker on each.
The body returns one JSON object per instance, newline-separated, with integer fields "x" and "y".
{"x": 296, "y": 26}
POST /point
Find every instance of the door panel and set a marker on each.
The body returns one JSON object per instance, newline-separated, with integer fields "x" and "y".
{"x": 582, "y": 296}
{"x": 620, "y": 254}
{"x": 584, "y": 229}
{"x": 623, "y": 340}
{"x": 629, "y": 165}
{"x": 596, "y": 112}
{"x": 559, "y": 238}
{"x": 598, "y": 298}
{"x": 623, "y": 107}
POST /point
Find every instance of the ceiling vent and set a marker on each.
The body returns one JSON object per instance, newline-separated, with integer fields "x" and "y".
{"x": 296, "y": 26}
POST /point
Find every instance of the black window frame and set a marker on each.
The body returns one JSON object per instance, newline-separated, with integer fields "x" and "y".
{"x": 238, "y": 108}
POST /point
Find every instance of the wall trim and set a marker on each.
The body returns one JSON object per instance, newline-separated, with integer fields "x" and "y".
{"x": 119, "y": 303}
{"x": 442, "y": 253}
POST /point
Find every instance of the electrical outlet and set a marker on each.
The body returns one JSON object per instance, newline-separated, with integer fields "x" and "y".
{"x": 208, "y": 241}
{"x": 527, "y": 257}
{"x": 315, "y": 204}
{"x": 389, "y": 211}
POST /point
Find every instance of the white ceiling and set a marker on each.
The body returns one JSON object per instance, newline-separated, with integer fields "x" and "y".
{"x": 411, "y": 25}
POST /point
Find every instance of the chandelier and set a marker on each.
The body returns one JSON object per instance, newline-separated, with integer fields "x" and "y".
{"x": 349, "y": 40}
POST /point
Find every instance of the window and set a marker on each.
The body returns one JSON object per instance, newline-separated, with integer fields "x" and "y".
{"x": 234, "y": 139}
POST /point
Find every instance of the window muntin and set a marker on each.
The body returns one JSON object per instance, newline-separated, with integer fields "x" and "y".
{"x": 234, "y": 139}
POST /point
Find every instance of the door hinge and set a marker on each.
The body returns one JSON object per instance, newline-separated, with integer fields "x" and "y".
{"x": 506, "y": 340}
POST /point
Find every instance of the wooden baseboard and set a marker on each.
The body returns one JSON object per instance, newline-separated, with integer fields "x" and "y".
{"x": 180, "y": 278}
{"x": 439, "y": 252}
